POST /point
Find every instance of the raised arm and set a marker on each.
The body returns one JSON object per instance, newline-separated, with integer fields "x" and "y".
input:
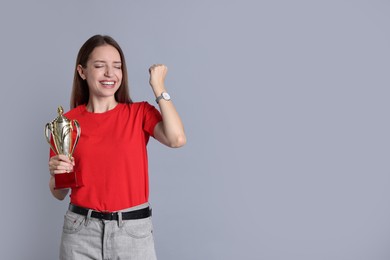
{"x": 170, "y": 131}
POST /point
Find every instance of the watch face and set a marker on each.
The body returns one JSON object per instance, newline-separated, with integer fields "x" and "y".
{"x": 166, "y": 96}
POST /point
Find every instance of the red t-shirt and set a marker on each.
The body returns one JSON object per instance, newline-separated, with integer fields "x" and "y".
{"x": 111, "y": 156}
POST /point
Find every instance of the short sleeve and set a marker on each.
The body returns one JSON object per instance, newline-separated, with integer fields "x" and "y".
{"x": 151, "y": 117}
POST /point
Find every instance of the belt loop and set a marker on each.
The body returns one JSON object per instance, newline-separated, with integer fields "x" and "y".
{"x": 88, "y": 217}
{"x": 120, "y": 220}
{"x": 150, "y": 210}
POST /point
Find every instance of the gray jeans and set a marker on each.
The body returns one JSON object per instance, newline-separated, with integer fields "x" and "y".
{"x": 89, "y": 238}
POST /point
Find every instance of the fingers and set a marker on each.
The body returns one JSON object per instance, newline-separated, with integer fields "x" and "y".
{"x": 60, "y": 164}
{"x": 64, "y": 158}
{"x": 155, "y": 67}
{"x": 157, "y": 73}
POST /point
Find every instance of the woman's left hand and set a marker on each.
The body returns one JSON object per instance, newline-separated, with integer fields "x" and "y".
{"x": 157, "y": 73}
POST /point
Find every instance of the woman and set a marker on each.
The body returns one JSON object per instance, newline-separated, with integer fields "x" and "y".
{"x": 109, "y": 216}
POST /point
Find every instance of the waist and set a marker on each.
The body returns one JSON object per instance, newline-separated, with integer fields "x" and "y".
{"x": 137, "y": 213}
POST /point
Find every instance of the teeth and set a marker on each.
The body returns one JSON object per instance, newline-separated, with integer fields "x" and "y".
{"x": 108, "y": 83}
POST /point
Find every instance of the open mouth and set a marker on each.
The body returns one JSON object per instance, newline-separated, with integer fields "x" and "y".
{"x": 108, "y": 83}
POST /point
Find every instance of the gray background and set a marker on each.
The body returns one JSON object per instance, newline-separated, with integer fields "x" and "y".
{"x": 285, "y": 105}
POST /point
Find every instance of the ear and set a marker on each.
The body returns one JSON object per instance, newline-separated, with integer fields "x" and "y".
{"x": 80, "y": 70}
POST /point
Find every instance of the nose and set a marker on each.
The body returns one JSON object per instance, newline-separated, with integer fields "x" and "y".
{"x": 108, "y": 72}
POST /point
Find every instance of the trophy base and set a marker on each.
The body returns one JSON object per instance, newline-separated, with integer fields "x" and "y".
{"x": 67, "y": 180}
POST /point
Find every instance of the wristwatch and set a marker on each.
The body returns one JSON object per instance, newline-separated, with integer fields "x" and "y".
{"x": 164, "y": 96}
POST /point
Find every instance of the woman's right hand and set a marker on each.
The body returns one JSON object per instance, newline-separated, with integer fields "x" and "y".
{"x": 60, "y": 164}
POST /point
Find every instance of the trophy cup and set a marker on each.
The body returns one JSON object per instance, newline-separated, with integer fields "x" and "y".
{"x": 62, "y": 140}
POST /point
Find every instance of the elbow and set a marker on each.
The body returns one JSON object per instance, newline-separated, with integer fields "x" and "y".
{"x": 60, "y": 196}
{"x": 180, "y": 141}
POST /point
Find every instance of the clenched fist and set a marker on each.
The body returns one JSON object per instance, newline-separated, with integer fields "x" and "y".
{"x": 157, "y": 73}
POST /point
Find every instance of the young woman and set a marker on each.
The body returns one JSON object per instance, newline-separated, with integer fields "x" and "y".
{"x": 109, "y": 216}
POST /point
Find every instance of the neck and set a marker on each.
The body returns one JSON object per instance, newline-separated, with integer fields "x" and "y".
{"x": 101, "y": 106}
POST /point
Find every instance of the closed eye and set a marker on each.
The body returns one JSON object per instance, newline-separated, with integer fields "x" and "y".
{"x": 98, "y": 65}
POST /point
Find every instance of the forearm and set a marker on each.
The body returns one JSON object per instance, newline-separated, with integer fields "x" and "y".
{"x": 172, "y": 125}
{"x": 59, "y": 194}
{"x": 170, "y": 131}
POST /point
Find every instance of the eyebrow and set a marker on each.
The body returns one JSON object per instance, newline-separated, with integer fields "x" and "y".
{"x": 102, "y": 61}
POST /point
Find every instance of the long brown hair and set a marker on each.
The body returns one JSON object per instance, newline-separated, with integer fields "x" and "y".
{"x": 80, "y": 91}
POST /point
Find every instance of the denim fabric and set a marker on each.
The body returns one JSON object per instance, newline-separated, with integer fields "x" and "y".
{"x": 89, "y": 238}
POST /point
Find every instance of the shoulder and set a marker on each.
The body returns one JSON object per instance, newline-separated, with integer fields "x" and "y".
{"x": 141, "y": 105}
{"x": 75, "y": 111}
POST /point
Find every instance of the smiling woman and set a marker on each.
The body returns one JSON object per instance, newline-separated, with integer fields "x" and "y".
{"x": 109, "y": 215}
{"x": 89, "y": 57}
{"x": 103, "y": 73}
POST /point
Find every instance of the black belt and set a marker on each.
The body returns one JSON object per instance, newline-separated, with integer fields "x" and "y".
{"x": 135, "y": 214}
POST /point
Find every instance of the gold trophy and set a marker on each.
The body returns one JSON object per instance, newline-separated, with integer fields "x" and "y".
{"x": 62, "y": 140}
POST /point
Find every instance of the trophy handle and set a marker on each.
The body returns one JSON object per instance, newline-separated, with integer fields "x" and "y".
{"x": 78, "y": 130}
{"x": 47, "y": 135}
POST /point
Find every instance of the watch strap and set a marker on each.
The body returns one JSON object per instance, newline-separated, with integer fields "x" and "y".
{"x": 159, "y": 98}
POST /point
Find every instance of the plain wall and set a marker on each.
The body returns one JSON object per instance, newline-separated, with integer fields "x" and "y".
{"x": 285, "y": 105}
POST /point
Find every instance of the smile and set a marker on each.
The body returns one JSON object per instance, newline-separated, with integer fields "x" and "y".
{"x": 107, "y": 83}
